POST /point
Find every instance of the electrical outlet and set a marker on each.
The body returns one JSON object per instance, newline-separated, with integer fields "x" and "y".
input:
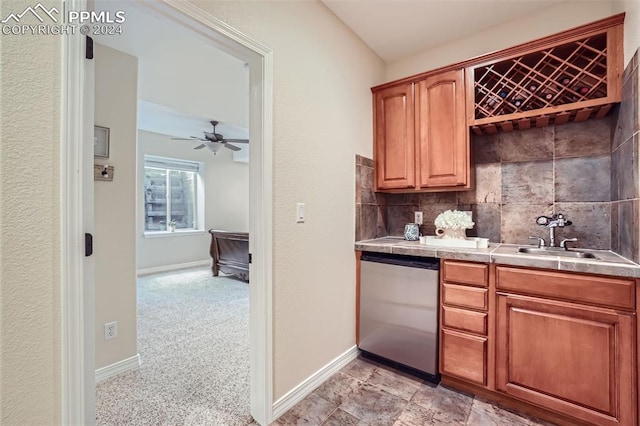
{"x": 110, "y": 330}
{"x": 417, "y": 217}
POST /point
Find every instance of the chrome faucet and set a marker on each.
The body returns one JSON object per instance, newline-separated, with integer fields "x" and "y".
{"x": 556, "y": 221}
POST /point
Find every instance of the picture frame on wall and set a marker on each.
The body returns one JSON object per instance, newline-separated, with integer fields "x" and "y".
{"x": 100, "y": 142}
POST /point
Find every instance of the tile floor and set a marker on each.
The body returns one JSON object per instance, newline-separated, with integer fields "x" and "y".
{"x": 367, "y": 393}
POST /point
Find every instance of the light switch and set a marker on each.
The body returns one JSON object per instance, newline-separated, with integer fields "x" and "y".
{"x": 300, "y": 212}
{"x": 417, "y": 217}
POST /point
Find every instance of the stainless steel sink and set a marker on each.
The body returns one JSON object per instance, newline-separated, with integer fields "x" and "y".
{"x": 548, "y": 251}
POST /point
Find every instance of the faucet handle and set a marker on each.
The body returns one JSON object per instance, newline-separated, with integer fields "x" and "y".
{"x": 541, "y": 241}
{"x": 563, "y": 243}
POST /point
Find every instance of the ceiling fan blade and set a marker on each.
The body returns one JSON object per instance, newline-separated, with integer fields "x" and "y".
{"x": 232, "y": 147}
{"x": 190, "y": 138}
{"x": 237, "y": 140}
{"x": 200, "y": 146}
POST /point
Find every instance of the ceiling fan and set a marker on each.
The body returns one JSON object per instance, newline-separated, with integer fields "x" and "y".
{"x": 214, "y": 141}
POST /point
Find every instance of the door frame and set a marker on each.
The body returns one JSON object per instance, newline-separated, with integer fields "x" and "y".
{"x": 78, "y": 368}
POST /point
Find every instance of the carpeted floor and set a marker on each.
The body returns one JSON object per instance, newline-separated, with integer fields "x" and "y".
{"x": 193, "y": 340}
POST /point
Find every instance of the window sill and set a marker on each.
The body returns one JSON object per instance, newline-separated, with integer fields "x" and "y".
{"x": 177, "y": 233}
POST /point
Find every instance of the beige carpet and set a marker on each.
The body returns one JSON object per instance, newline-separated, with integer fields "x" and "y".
{"x": 193, "y": 340}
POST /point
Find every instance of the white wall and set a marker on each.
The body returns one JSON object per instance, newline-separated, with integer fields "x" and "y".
{"x": 547, "y": 21}
{"x": 226, "y": 201}
{"x": 322, "y": 118}
{"x": 30, "y": 338}
{"x": 114, "y": 240}
{"x": 631, "y": 26}
{"x": 195, "y": 77}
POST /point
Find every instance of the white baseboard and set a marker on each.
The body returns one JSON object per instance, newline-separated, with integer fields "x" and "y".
{"x": 298, "y": 393}
{"x": 166, "y": 268}
{"x": 119, "y": 367}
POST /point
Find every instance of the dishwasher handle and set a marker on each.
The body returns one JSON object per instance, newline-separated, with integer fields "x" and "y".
{"x": 402, "y": 260}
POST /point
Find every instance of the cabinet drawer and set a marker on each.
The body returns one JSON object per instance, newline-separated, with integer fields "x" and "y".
{"x": 613, "y": 292}
{"x": 466, "y": 297}
{"x": 476, "y": 274}
{"x": 471, "y": 321}
{"x": 463, "y": 356}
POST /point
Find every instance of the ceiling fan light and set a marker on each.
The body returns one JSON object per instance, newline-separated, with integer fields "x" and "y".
{"x": 214, "y": 146}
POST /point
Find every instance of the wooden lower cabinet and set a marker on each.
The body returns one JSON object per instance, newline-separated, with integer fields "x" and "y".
{"x": 464, "y": 356}
{"x": 573, "y": 359}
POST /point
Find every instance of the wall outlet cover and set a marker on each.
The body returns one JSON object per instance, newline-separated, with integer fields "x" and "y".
{"x": 110, "y": 330}
{"x": 418, "y": 218}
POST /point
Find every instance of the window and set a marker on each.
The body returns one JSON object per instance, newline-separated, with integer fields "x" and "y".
{"x": 173, "y": 195}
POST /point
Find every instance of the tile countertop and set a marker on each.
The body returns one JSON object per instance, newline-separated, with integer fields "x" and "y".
{"x": 607, "y": 262}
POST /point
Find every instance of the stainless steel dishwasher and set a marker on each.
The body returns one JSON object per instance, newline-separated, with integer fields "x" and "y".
{"x": 399, "y": 311}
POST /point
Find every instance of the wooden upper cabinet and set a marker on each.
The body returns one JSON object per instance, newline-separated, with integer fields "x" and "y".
{"x": 421, "y": 139}
{"x": 443, "y": 137}
{"x": 394, "y": 137}
{"x": 572, "y": 76}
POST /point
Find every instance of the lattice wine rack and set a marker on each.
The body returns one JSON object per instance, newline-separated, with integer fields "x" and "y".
{"x": 566, "y": 82}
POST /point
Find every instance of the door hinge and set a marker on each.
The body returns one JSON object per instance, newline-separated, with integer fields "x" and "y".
{"x": 88, "y": 53}
{"x": 250, "y": 257}
{"x": 88, "y": 244}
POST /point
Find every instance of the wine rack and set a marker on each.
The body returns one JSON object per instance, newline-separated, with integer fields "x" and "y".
{"x": 569, "y": 81}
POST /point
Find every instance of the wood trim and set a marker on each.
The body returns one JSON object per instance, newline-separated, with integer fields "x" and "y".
{"x": 464, "y": 355}
{"x": 572, "y": 287}
{"x": 520, "y": 49}
{"x": 522, "y": 117}
{"x": 465, "y": 296}
{"x": 491, "y": 330}
{"x": 637, "y": 354}
{"x": 510, "y": 402}
{"x": 464, "y": 320}
{"x": 615, "y": 49}
{"x": 474, "y": 274}
{"x": 358, "y": 264}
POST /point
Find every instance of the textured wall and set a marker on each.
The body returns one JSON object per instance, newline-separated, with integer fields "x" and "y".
{"x": 625, "y": 187}
{"x": 114, "y": 237}
{"x": 551, "y": 20}
{"x": 322, "y": 118}
{"x": 631, "y": 26}
{"x": 226, "y": 201}
{"x": 30, "y": 339}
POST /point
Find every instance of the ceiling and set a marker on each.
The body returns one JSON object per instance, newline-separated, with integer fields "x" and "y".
{"x": 396, "y": 29}
{"x": 184, "y": 81}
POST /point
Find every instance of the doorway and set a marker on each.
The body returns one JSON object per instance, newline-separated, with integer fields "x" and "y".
{"x": 78, "y": 338}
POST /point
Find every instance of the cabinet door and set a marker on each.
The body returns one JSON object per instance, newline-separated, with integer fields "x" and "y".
{"x": 394, "y": 138}
{"x": 569, "y": 358}
{"x": 464, "y": 356}
{"x": 442, "y": 131}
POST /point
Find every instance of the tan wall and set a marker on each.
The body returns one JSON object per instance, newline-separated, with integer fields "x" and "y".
{"x": 30, "y": 339}
{"x": 226, "y": 201}
{"x": 114, "y": 242}
{"x": 530, "y": 27}
{"x": 322, "y": 117}
{"x": 631, "y": 26}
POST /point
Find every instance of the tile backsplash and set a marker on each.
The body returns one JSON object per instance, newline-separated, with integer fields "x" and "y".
{"x": 625, "y": 188}
{"x": 520, "y": 176}
{"x": 588, "y": 171}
